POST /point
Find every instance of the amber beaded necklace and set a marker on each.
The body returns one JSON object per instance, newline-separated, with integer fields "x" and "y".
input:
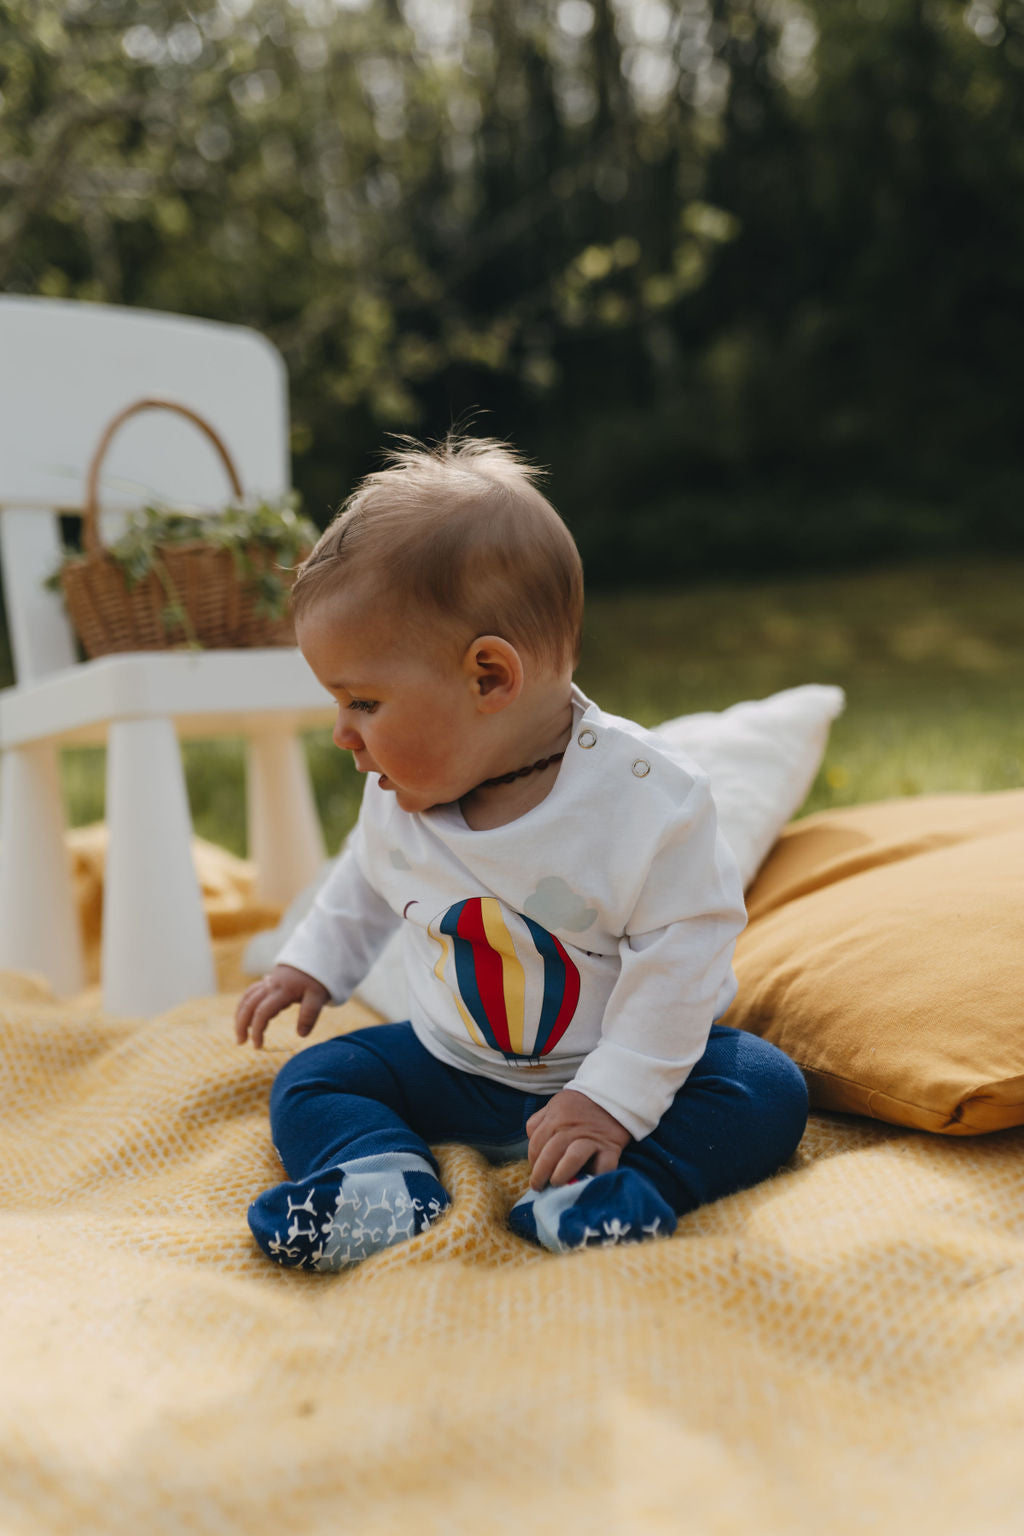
{"x": 521, "y": 773}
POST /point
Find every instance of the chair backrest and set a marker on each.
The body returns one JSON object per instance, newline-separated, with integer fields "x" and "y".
{"x": 66, "y": 369}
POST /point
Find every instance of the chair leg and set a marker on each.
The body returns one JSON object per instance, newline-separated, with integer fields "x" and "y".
{"x": 156, "y": 940}
{"x": 285, "y": 839}
{"x": 39, "y": 929}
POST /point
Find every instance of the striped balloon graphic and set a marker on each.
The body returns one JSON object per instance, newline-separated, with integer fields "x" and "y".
{"x": 515, "y": 986}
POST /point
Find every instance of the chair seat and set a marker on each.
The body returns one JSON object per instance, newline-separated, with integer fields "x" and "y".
{"x": 156, "y": 949}
{"x": 205, "y": 693}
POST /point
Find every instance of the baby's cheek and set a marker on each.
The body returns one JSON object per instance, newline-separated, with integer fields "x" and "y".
{"x": 419, "y": 769}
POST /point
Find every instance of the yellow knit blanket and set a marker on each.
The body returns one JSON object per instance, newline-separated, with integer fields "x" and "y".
{"x": 839, "y": 1350}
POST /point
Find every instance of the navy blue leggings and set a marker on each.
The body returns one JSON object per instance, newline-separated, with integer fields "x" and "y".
{"x": 738, "y": 1117}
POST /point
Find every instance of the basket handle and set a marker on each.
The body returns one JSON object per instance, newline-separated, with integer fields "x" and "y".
{"x": 91, "y": 541}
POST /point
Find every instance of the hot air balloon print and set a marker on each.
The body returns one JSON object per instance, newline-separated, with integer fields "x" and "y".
{"x": 514, "y": 984}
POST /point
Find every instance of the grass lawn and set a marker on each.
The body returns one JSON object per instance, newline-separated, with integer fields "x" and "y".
{"x": 931, "y": 658}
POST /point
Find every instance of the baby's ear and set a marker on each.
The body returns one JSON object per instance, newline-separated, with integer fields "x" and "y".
{"x": 495, "y": 672}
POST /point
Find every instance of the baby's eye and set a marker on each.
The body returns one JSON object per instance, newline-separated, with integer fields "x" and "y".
{"x": 366, "y": 705}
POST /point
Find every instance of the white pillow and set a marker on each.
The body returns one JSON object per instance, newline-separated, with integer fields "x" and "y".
{"x": 761, "y": 757}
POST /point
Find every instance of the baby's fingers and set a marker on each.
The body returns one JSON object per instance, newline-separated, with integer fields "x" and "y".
{"x": 560, "y": 1160}
{"x": 309, "y": 1010}
{"x": 246, "y": 1008}
{"x": 267, "y": 1008}
{"x": 605, "y": 1161}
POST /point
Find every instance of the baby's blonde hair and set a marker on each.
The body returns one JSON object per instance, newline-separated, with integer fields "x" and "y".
{"x": 460, "y": 531}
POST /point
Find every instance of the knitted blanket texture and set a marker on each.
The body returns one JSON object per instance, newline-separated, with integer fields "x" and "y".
{"x": 839, "y": 1350}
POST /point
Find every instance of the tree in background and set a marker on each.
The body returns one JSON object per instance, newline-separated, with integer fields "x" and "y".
{"x": 746, "y": 273}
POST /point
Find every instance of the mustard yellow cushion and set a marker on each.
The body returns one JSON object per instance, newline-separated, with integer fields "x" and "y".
{"x": 884, "y": 955}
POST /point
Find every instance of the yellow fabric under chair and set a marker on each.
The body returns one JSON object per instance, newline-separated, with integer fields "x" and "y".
{"x": 839, "y": 1350}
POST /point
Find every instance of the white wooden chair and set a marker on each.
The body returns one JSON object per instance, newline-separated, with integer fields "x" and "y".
{"x": 66, "y": 369}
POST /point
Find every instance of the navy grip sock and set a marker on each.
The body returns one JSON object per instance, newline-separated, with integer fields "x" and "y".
{"x": 342, "y": 1214}
{"x": 595, "y": 1211}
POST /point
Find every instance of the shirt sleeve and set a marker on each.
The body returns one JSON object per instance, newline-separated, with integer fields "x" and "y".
{"x": 344, "y": 931}
{"x": 676, "y": 972}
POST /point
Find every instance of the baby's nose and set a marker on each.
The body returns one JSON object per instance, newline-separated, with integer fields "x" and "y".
{"x": 345, "y": 737}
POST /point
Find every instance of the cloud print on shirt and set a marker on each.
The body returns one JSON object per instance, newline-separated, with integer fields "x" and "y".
{"x": 556, "y": 905}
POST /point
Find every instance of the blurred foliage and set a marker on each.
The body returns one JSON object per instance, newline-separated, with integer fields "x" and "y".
{"x": 746, "y": 273}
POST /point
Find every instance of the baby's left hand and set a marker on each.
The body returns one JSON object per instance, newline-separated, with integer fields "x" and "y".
{"x": 567, "y": 1134}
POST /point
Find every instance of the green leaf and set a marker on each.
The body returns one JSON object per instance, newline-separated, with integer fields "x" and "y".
{"x": 263, "y": 538}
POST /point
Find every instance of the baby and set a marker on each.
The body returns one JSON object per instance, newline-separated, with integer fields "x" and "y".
{"x": 568, "y": 907}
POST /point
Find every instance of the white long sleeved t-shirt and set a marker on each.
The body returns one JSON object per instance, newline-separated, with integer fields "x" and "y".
{"x": 588, "y": 944}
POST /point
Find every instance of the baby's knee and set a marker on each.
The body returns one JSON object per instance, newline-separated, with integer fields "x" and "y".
{"x": 767, "y": 1089}
{"x": 782, "y": 1091}
{"x": 341, "y": 1065}
{"x": 310, "y": 1071}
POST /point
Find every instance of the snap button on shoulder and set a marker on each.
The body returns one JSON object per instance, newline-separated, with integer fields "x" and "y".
{"x": 587, "y": 739}
{"x": 641, "y": 768}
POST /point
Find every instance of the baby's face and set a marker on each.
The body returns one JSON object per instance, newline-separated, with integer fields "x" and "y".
{"x": 406, "y": 708}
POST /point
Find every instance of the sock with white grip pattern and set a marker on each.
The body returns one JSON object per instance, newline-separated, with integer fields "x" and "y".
{"x": 594, "y": 1211}
{"x": 342, "y": 1214}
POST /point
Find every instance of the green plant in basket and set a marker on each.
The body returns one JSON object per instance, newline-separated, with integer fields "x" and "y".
{"x": 176, "y": 576}
{"x": 163, "y": 559}
{"x": 263, "y": 540}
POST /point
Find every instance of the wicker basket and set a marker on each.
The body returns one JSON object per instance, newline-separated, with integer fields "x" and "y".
{"x": 220, "y": 605}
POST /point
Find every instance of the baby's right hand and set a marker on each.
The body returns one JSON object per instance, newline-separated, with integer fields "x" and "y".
{"x": 282, "y": 987}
